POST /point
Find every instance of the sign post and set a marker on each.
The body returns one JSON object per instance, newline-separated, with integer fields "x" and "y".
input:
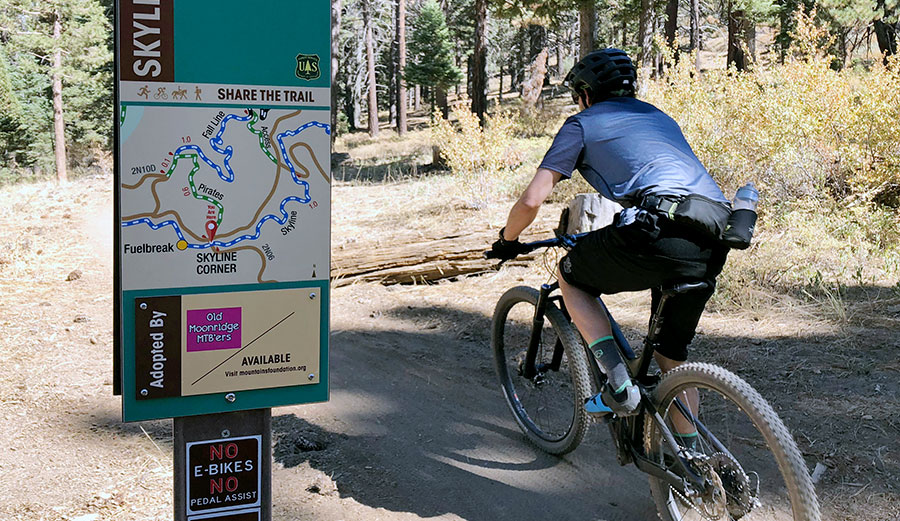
{"x": 222, "y": 243}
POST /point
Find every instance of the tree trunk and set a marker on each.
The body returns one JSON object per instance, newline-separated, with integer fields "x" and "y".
{"x": 335, "y": 63}
{"x": 736, "y": 29}
{"x": 470, "y": 76}
{"x": 587, "y": 28}
{"x": 59, "y": 126}
{"x": 392, "y": 82}
{"x": 589, "y": 212}
{"x": 750, "y": 38}
{"x": 645, "y": 35}
{"x": 401, "y": 67}
{"x": 418, "y": 98}
{"x": 537, "y": 42}
{"x": 349, "y": 107}
{"x": 370, "y": 67}
{"x": 479, "y": 62}
{"x": 695, "y": 32}
{"x": 885, "y": 33}
{"x": 440, "y": 97}
{"x": 412, "y": 258}
{"x": 672, "y": 24}
{"x": 559, "y": 55}
{"x": 518, "y": 67}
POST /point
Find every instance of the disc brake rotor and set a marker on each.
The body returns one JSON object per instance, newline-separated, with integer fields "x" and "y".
{"x": 712, "y": 503}
{"x": 735, "y": 482}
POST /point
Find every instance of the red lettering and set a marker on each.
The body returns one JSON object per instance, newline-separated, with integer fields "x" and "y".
{"x": 231, "y": 450}
{"x": 215, "y": 452}
{"x": 215, "y": 486}
{"x": 231, "y": 484}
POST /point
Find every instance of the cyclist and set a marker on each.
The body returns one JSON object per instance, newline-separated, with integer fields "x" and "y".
{"x": 634, "y": 154}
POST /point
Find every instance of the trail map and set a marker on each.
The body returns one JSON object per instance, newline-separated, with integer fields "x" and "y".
{"x": 222, "y": 196}
{"x": 223, "y": 205}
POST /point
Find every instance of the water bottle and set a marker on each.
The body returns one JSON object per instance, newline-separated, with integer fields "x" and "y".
{"x": 740, "y": 226}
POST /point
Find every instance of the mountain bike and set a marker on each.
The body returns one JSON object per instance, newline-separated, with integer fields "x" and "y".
{"x": 712, "y": 447}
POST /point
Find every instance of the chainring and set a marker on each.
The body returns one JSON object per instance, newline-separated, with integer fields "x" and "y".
{"x": 735, "y": 482}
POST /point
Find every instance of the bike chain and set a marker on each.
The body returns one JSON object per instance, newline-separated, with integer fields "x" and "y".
{"x": 690, "y": 504}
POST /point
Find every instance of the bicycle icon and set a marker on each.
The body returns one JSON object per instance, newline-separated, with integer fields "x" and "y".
{"x": 161, "y": 93}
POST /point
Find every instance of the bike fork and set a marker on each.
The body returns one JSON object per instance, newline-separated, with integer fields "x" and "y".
{"x": 537, "y": 326}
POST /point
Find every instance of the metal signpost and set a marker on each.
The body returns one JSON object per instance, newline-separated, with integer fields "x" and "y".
{"x": 222, "y": 152}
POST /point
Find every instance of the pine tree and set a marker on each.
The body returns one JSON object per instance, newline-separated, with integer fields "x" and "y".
{"x": 431, "y": 54}
{"x": 61, "y": 68}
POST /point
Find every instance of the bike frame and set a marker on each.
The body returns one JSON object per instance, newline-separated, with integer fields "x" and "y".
{"x": 627, "y": 432}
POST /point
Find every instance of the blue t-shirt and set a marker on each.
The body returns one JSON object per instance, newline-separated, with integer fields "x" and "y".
{"x": 626, "y": 149}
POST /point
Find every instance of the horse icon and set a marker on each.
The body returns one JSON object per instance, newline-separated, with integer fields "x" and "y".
{"x": 181, "y": 93}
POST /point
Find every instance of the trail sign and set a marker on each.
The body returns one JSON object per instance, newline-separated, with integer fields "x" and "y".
{"x": 223, "y": 474}
{"x": 223, "y": 466}
{"x": 223, "y": 179}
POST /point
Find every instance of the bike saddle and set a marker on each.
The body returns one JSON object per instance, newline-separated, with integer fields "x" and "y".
{"x": 679, "y": 288}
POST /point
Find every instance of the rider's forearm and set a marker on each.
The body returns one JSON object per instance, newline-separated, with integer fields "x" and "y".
{"x": 521, "y": 215}
{"x": 526, "y": 208}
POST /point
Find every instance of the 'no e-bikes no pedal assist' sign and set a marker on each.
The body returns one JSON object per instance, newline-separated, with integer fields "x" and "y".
{"x": 222, "y": 208}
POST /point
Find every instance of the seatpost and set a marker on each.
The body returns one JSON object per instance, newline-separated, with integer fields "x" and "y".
{"x": 656, "y": 322}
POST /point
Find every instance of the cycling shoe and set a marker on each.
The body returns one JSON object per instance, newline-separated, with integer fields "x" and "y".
{"x": 622, "y": 403}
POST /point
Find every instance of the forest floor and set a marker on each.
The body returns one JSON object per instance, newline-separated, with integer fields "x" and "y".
{"x": 415, "y": 427}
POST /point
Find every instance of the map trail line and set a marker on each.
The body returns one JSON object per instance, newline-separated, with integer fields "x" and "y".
{"x": 276, "y": 180}
{"x": 291, "y": 133}
{"x": 260, "y": 135}
{"x": 228, "y": 151}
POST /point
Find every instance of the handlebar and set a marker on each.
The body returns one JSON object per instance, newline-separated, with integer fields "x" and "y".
{"x": 563, "y": 240}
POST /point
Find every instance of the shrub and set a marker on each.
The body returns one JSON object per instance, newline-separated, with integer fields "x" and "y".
{"x": 801, "y": 130}
{"x": 482, "y": 159}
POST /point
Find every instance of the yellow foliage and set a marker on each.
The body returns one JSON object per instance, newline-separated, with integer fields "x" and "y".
{"x": 799, "y": 130}
{"x": 482, "y": 159}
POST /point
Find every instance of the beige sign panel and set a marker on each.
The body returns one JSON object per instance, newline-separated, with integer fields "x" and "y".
{"x": 249, "y": 340}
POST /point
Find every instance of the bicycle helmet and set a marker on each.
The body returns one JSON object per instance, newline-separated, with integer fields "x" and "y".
{"x": 603, "y": 74}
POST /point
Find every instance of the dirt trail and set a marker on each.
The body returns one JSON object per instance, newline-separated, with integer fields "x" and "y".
{"x": 416, "y": 427}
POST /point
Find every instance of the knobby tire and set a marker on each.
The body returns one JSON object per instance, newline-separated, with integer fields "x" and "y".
{"x": 515, "y": 387}
{"x": 772, "y": 431}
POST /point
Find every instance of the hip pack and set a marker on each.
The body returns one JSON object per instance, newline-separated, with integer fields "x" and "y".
{"x": 706, "y": 217}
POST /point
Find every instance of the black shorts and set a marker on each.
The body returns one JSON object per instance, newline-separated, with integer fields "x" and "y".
{"x": 645, "y": 255}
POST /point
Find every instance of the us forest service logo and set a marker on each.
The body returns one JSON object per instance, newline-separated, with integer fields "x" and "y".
{"x": 308, "y": 66}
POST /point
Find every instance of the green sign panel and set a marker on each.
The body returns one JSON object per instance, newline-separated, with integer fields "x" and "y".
{"x": 223, "y": 204}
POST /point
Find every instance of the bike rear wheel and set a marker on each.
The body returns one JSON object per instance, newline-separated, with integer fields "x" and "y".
{"x": 548, "y": 407}
{"x": 754, "y": 467}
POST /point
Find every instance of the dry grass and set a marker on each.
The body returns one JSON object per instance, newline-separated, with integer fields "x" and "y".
{"x": 56, "y": 343}
{"x": 825, "y": 372}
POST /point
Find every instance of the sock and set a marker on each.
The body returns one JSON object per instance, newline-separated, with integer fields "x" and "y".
{"x": 607, "y": 355}
{"x": 686, "y": 440}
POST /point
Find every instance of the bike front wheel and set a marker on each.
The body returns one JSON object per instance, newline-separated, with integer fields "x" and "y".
{"x": 733, "y": 439}
{"x": 546, "y": 397}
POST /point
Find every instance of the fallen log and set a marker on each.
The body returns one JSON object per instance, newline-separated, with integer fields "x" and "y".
{"x": 426, "y": 259}
{"x": 414, "y": 259}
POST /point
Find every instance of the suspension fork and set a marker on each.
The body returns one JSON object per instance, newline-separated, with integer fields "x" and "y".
{"x": 537, "y": 327}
